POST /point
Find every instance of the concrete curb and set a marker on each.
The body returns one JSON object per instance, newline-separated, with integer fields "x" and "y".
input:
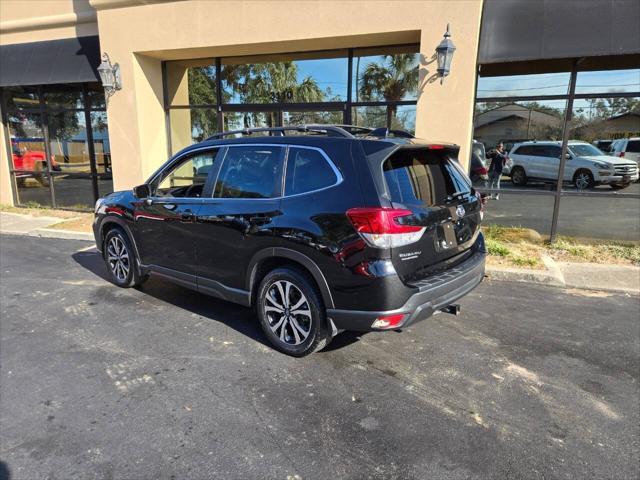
{"x": 551, "y": 276}
{"x": 554, "y": 276}
{"x": 543, "y": 277}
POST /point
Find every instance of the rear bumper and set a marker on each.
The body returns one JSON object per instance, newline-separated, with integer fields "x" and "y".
{"x": 434, "y": 293}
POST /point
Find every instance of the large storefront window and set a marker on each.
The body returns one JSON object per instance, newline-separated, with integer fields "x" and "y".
{"x": 598, "y": 198}
{"x": 59, "y": 144}
{"x": 301, "y": 78}
{"x": 374, "y": 87}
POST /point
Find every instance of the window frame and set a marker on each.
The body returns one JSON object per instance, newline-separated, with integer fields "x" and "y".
{"x": 45, "y": 111}
{"x": 323, "y": 154}
{"x": 221, "y": 157}
{"x": 207, "y": 190}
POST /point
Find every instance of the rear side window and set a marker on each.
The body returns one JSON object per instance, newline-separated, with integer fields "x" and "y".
{"x": 307, "y": 170}
{"x": 527, "y": 150}
{"x": 633, "y": 146}
{"x": 552, "y": 151}
{"x": 250, "y": 172}
{"x": 422, "y": 177}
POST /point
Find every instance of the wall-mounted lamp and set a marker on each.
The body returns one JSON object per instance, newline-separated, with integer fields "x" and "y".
{"x": 445, "y": 55}
{"x": 110, "y": 76}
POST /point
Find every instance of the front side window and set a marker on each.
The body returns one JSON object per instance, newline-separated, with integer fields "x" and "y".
{"x": 524, "y": 150}
{"x": 307, "y": 170}
{"x": 188, "y": 177}
{"x": 251, "y": 172}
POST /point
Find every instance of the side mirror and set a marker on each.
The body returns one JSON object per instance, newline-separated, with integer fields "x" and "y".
{"x": 142, "y": 191}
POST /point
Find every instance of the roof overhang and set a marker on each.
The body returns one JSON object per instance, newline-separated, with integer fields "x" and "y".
{"x": 70, "y": 60}
{"x": 542, "y": 36}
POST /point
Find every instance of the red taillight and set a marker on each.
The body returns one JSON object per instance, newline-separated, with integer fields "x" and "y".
{"x": 388, "y": 321}
{"x": 436, "y": 147}
{"x": 380, "y": 220}
{"x": 380, "y": 228}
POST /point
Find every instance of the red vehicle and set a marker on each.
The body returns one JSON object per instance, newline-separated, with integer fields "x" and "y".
{"x": 31, "y": 161}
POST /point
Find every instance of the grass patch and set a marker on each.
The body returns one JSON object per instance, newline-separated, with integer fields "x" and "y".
{"x": 83, "y": 223}
{"x": 38, "y": 210}
{"x": 570, "y": 249}
{"x": 494, "y": 247}
{"x": 525, "y": 261}
{"x": 523, "y": 247}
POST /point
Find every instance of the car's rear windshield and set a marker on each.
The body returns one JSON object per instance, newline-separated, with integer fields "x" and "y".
{"x": 423, "y": 177}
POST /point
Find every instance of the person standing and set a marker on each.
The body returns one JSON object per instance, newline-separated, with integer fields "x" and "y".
{"x": 498, "y": 158}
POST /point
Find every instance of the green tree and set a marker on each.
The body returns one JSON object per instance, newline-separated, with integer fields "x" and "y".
{"x": 272, "y": 82}
{"x": 391, "y": 80}
{"x": 202, "y": 91}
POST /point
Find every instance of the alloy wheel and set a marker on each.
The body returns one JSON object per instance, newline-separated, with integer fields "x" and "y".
{"x": 517, "y": 176}
{"x": 288, "y": 312}
{"x": 583, "y": 181}
{"x": 118, "y": 258}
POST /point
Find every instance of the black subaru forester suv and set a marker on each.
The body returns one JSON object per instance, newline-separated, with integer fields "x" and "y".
{"x": 320, "y": 228}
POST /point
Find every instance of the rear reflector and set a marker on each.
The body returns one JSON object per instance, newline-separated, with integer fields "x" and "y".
{"x": 388, "y": 321}
{"x": 381, "y": 227}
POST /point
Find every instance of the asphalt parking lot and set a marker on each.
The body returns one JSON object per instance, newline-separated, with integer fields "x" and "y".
{"x": 160, "y": 383}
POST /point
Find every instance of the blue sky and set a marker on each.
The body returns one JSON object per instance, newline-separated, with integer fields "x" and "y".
{"x": 558, "y": 83}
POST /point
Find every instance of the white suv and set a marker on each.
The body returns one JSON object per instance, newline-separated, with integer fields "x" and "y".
{"x": 585, "y": 167}
{"x": 627, "y": 148}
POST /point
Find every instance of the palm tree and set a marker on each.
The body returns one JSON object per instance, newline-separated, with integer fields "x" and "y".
{"x": 274, "y": 82}
{"x": 391, "y": 80}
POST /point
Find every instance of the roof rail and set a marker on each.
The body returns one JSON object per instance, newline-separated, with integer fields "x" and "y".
{"x": 329, "y": 130}
{"x": 384, "y": 132}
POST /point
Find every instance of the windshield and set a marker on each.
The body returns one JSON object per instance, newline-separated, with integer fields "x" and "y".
{"x": 585, "y": 150}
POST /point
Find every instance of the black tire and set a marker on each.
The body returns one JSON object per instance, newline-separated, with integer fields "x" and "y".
{"x": 619, "y": 186}
{"x": 518, "y": 176}
{"x": 583, "y": 179}
{"x": 128, "y": 274}
{"x": 289, "y": 339}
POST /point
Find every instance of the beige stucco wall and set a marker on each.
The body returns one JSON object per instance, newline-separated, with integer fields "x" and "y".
{"x": 139, "y": 37}
{"x": 139, "y": 34}
{"x": 23, "y": 21}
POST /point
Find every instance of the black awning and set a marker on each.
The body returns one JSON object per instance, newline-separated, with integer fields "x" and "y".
{"x": 71, "y": 60}
{"x": 551, "y": 30}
